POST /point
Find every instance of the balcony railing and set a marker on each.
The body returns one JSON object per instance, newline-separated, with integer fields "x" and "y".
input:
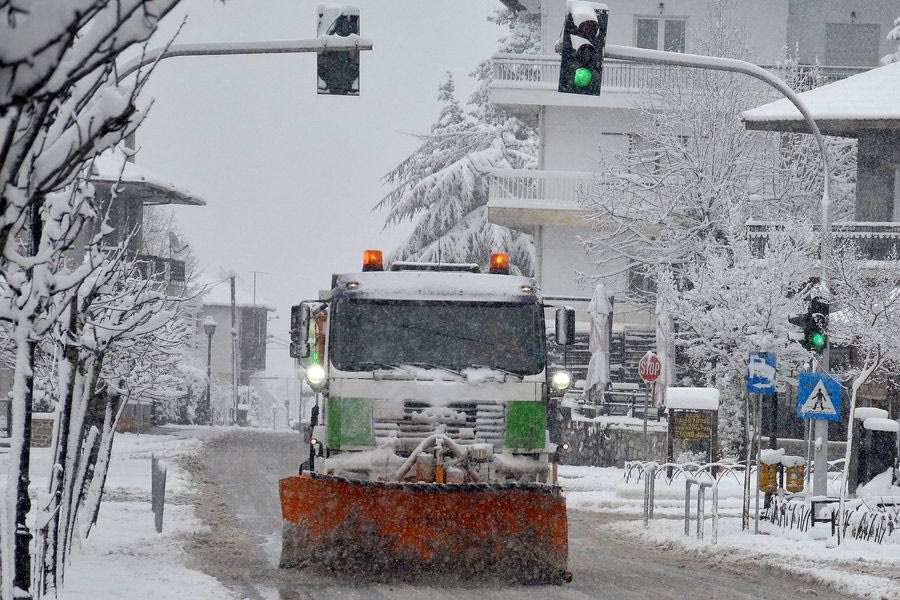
{"x": 168, "y": 270}
{"x": 541, "y": 71}
{"x": 873, "y": 241}
{"x": 556, "y": 189}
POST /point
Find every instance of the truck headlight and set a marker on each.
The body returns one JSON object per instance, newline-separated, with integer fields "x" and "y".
{"x": 315, "y": 375}
{"x": 561, "y": 381}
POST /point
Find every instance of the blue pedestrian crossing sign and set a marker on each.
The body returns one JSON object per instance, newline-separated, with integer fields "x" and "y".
{"x": 819, "y": 397}
{"x": 761, "y": 373}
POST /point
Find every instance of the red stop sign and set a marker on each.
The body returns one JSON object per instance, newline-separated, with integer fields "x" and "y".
{"x": 649, "y": 368}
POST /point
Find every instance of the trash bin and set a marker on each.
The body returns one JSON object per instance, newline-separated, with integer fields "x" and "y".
{"x": 768, "y": 478}
{"x": 794, "y": 473}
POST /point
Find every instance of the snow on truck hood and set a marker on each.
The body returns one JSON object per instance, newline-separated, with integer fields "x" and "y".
{"x": 447, "y": 286}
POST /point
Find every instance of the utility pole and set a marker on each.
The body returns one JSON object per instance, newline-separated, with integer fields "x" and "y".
{"x": 234, "y": 356}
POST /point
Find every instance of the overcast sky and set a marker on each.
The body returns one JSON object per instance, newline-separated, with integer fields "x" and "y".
{"x": 290, "y": 177}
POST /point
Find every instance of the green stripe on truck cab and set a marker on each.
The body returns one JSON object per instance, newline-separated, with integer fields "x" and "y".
{"x": 349, "y": 423}
{"x": 526, "y": 424}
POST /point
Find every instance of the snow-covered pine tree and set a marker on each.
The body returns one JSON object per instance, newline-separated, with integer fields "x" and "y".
{"x": 442, "y": 185}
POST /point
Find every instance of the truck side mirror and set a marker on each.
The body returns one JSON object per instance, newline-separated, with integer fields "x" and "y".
{"x": 565, "y": 325}
{"x": 300, "y": 331}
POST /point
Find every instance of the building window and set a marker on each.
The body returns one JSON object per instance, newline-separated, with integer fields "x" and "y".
{"x": 852, "y": 44}
{"x": 660, "y": 34}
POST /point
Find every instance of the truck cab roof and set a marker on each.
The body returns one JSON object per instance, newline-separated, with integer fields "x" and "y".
{"x": 428, "y": 285}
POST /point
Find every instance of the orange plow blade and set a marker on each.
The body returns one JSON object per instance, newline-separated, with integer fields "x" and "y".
{"x": 383, "y": 530}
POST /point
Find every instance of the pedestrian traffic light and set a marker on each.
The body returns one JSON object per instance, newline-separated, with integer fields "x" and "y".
{"x": 582, "y": 43}
{"x": 338, "y": 63}
{"x": 814, "y": 325}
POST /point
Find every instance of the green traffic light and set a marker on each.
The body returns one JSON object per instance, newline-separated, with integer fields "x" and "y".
{"x": 817, "y": 340}
{"x": 583, "y": 77}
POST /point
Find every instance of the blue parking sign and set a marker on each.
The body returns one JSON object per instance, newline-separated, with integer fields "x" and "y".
{"x": 761, "y": 373}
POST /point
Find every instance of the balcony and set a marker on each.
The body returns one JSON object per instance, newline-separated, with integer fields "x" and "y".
{"x": 168, "y": 270}
{"x": 531, "y": 80}
{"x": 524, "y": 198}
{"x": 874, "y": 241}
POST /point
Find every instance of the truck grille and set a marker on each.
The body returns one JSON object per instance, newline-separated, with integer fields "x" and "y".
{"x": 487, "y": 422}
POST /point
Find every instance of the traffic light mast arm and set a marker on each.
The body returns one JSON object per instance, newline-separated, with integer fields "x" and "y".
{"x": 732, "y": 65}
{"x": 227, "y": 48}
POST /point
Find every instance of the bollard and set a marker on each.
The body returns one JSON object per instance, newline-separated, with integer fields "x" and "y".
{"x": 701, "y": 506}
{"x": 715, "y": 512}
{"x": 649, "y": 491}
{"x": 687, "y": 504}
{"x": 157, "y": 490}
{"x": 646, "y": 499}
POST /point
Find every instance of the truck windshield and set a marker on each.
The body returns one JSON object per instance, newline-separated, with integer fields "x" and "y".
{"x": 453, "y": 335}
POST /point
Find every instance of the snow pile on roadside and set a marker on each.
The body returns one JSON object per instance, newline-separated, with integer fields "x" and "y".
{"x": 865, "y": 569}
{"x": 603, "y": 489}
{"x": 124, "y": 556}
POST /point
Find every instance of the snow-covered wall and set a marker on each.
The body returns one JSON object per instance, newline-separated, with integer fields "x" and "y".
{"x": 575, "y": 137}
{"x": 600, "y": 445}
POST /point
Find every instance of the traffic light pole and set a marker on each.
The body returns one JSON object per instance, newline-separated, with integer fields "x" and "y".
{"x": 642, "y": 55}
{"x": 317, "y": 45}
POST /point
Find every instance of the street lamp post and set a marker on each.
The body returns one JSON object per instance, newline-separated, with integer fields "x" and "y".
{"x": 209, "y": 327}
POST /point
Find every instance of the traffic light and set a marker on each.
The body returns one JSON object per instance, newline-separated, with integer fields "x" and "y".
{"x": 338, "y": 67}
{"x": 583, "y": 40}
{"x": 817, "y": 333}
{"x": 814, "y": 325}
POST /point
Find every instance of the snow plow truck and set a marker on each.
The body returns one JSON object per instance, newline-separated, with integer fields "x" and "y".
{"x": 430, "y": 452}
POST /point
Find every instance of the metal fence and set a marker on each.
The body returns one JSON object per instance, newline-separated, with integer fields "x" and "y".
{"x": 786, "y": 511}
{"x": 873, "y": 241}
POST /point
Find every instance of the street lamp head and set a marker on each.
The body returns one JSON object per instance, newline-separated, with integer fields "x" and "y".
{"x": 209, "y": 326}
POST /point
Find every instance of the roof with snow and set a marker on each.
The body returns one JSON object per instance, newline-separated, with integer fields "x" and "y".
{"x": 863, "y": 102}
{"x": 442, "y": 286}
{"x": 692, "y": 398}
{"x": 138, "y": 182}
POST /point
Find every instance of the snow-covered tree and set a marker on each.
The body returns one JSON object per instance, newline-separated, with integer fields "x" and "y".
{"x": 667, "y": 196}
{"x": 675, "y": 203}
{"x": 118, "y": 339}
{"x": 442, "y": 185}
{"x": 736, "y": 300}
{"x": 60, "y": 105}
{"x": 893, "y": 35}
{"x": 865, "y": 296}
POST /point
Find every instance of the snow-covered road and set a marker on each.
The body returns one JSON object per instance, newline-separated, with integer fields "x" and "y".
{"x": 236, "y": 479}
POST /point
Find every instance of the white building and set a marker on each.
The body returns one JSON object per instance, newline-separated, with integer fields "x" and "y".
{"x": 846, "y": 36}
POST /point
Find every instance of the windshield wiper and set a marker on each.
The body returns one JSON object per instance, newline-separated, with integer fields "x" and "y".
{"x": 369, "y": 364}
{"x": 426, "y": 365}
{"x": 502, "y": 370}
